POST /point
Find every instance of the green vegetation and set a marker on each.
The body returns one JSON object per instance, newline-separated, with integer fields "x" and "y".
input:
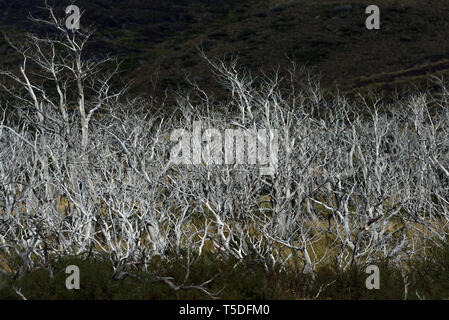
{"x": 247, "y": 279}
{"x": 412, "y": 42}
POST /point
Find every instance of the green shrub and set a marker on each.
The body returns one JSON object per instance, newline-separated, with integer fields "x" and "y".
{"x": 246, "y": 279}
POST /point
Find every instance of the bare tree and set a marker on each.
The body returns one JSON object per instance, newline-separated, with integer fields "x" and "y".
{"x": 347, "y": 182}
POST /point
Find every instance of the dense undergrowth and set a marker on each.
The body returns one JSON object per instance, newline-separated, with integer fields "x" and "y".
{"x": 244, "y": 279}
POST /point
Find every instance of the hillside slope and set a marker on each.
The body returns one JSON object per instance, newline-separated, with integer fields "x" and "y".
{"x": 163, "y": 36}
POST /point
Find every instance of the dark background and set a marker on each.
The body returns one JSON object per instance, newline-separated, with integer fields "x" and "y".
{"x": 328, "y": 36}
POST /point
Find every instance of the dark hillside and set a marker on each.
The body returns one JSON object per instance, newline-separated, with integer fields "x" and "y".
{"x": 328, "y": 35}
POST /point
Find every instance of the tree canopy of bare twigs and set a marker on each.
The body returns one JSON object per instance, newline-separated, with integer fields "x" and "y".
{"x": 346, "y": 186}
